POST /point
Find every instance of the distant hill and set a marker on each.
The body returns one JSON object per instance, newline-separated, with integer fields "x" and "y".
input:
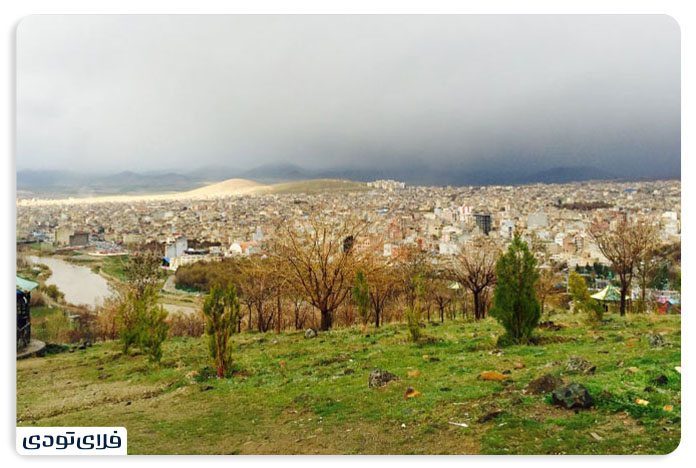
{"x": 319, "y": 185}
{"x": 560, "y": 175}
{"x": 66, "y": 183}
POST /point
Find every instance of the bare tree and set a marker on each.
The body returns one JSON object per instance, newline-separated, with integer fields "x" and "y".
{"x": 624, "y": 245}
{"x": 442, "y": 295}
{"x": 142, "y": 271}
{"x": 383, "y": 284}
{"x": 474, "y": 269}
{"x": 412, "y": 269}
{"x": 645, "y": 270}
{"x": 258, "y": 284}
{"x": 321, "y": 258}
{"x": 544, "y": 286}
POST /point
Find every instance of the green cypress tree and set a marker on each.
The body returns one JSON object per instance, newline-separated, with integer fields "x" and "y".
{"x": 221, "y": 309}
{"x": 516, "y": 307}
{"x": 361, "y": 297}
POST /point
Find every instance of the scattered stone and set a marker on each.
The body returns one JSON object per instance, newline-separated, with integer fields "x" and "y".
{"x": 581, "y": 365}
{"x": 460, "y": 424}
{"x": 206, "y": 388}
{"x": 544, "y": 384}
{"x": 496, "y": 352}
{"x": 488, "y": 416}
{"x": 632, "y": 370}
{"x": 519, "y": 365}
{"x": 411, "y": 393}
{"x": 380, "y": 378}
{"x": 655, "y": 340}
{"x": 128, "y": 403}
{"x": 445, "y": 389}
{"x": 415, "y": 373}
{"x": 348, "y": 371}
{"x": 648, "y": 389}
{"x": 573, "y": 395}
{"x": 310, "y": 333}
{"x": 491, "y": 375}
{"x": 620, "y": 364}
{"x": 507, "y": 372}
{"x": 596, "y": 436}
{"x": 660, "y": 380}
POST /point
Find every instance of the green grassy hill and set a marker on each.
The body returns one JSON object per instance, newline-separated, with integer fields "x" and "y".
{"x": 319, "y": 185}
{"x": 295, "y": 395}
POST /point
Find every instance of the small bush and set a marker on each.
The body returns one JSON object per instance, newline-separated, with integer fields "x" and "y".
{"x": 52, "y": 291}
{"x": 182, "y": 324}
{"x": 413, "y": 320}
{"x": 142, "y": 323}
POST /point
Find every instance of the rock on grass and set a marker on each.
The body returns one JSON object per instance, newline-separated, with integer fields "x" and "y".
{"x": 380, "y": 378}
{"x": 573, "y": 395}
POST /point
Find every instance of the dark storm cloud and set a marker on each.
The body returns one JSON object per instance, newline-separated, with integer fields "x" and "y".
{"x": 167, "y": 92}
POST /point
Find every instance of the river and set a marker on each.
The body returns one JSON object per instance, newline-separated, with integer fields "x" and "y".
{"x": 80, "y": 284}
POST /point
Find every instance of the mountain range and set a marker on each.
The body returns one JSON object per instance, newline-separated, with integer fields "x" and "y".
{"x": 69, "y": 183}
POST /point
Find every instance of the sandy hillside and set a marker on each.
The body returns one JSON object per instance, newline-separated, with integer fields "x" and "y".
{"x": 228, "y": 187}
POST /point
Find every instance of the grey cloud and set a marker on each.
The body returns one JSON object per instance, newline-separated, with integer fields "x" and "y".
{"x": 154, "y": 92}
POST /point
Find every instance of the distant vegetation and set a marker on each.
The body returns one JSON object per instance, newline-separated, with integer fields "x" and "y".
{"x": 202, "y": 276}
{"x": 319, "y": 185}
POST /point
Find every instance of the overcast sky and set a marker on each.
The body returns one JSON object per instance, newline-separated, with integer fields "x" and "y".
{"x": 113, "y": 93}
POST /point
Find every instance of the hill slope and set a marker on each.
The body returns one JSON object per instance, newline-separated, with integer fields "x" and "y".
{"x": 290, "y": 395}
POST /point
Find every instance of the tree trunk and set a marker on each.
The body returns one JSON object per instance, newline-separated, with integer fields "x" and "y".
{"x": 377, "y": 313}
{"x": 326, "y": 320}
{"x": 278, "y": 325}
{"x": 622, "y": 309}
{"x": 477, "y": 301}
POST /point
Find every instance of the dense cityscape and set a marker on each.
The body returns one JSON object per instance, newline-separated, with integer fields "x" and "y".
{"x": 438, "y": 220}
